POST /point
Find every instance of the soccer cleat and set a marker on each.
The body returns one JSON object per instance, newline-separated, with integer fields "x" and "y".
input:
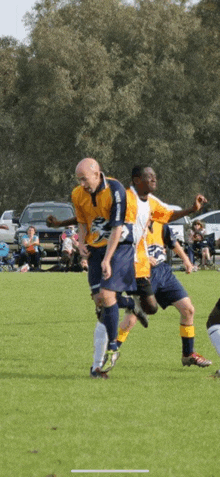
{"x": 110, "y": 360}
{"x": 139, "y": 313}
{"x": 98, "y": 373}
{"x": 197, "y": 359}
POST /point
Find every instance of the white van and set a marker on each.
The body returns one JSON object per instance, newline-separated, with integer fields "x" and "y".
{"x": 8, "y": 235}
{"x": 179, "y": 226}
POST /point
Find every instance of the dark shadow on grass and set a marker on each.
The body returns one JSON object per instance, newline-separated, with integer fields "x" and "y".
{"x": 21, "y": 360}
{"x": 41, "y": 376}
{"x": 38, "y": 322}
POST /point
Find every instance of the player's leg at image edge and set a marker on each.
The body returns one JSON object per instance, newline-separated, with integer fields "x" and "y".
{"x": 213, "y": 328}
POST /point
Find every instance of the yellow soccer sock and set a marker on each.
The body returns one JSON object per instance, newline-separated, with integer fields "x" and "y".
{"x": 122, "y": 335}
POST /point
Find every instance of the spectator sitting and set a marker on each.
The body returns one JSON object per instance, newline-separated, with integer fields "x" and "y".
{"x": 30, "y": 249}
{"x": 69, "y": 244}
{"x": 198, "y": 244}
{"x": 70, "y": 252}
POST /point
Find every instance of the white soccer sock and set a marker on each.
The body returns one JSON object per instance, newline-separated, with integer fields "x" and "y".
{"x": 100, "y": 345}
{"x": 214, "y": 335}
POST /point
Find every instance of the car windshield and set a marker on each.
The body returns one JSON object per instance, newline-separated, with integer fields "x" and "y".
{"x": 8, "y": 215}
{"x": 40, "y": 214}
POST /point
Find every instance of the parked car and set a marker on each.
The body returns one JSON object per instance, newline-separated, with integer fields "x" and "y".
{"x": 212, "y": 222}
{"x": 36, "y": 214}
{"x": 179, "y": 226}
{"x": 8, "y": 236}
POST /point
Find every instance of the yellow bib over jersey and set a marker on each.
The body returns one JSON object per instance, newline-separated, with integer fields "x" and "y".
{"x": 140, "y": 212}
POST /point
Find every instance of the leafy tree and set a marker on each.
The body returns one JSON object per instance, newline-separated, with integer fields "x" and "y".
{"x": 207, "y": 134}
{"x": 11, "y": 183}
{"x": 122, "y": 83}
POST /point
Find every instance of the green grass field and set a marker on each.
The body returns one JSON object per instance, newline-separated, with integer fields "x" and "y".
{"x": 153, "y": 414}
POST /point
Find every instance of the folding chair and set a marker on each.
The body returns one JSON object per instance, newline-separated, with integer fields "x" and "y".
{"x": 6, "y": 263}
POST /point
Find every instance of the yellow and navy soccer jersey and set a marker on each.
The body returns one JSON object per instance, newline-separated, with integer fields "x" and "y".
{"x": 157, "y": 238}
{"x": 101, "y": 211}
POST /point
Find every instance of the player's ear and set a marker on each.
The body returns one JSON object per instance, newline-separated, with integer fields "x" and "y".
{"x": 136, "y": 180}
{"x": 96, "y": 174}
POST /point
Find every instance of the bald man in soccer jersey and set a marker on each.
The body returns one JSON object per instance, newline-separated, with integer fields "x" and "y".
{"x": 106, "y": 242}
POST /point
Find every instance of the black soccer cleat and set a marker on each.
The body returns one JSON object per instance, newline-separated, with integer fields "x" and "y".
{"x": 139, "y": 312}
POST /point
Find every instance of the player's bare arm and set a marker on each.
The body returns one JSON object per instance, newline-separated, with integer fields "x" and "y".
{"x": 186, "y": 262}
{"x": 153, "y": 261}
{"x": 111, "y": 247}
{"x": 199, "y": 202}
{"x": 53, "y": 222}
{"x": 83, "y": 248}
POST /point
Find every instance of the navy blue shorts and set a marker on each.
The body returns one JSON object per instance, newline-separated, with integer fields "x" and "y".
{"x": 122, "y": 264}
{"x": 144, "y": 287}
{"x": 166, "y": 288}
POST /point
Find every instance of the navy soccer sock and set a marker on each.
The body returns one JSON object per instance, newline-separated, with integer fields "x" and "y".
{"x": 187, "y": 346}
{"x": 125, "y": 301}
{"x": 187, "y": 334}
{"x": 110, "y": 320}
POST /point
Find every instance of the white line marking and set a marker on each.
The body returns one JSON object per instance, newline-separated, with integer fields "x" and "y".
{"x": 107, "y": 471}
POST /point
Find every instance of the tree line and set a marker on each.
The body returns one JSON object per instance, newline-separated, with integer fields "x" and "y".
{"x": 125, "y": 84}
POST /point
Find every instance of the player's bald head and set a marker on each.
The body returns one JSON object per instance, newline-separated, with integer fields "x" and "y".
{"x": 88, "y": 174}
{"x": 87, "y": 164}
